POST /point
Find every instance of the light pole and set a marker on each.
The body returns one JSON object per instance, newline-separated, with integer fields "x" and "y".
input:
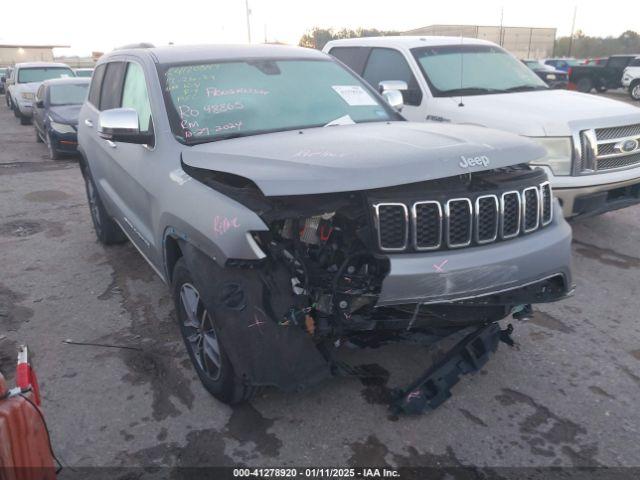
{"x": 248, "y": 10}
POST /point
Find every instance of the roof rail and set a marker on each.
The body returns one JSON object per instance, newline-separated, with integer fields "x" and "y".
{"x": 136, "y": 45}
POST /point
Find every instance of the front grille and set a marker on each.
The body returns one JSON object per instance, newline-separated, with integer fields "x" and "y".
{"x": 618, "y": 132}
{"x": 618, "y": 162}
{"x": 602, "y": 148}
{"x": 461, "y": 222}
{"x": 393, "y": 226}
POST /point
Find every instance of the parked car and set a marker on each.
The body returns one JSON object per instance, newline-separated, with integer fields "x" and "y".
{"x": 289, "y": 207}
{"x": 3, "y": 78}
{"x": 602, "y": 77}
{"x": 549, "y": 75}
{"x": 6, "y": 81}
{"x": 590, "y": 171}
{"x": 55, "y": 114}
{"x": 563, "y": 64}
{"x": 631, "y": 78}
{"x": 83, "y": 72}
{"x": 25, "y": 80}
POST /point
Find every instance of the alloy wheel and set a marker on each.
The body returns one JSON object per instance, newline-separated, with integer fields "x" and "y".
{"x": 199, "y": 332}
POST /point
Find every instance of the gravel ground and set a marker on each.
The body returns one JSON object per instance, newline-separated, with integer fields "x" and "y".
{"x": 567, "y": 395}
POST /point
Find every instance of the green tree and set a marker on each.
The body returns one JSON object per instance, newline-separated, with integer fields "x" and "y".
{"x": 584, "y": 46}
{"x": 318, "y": 37}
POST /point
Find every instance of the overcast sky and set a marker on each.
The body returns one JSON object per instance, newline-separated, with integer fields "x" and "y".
{"x": 88, "y": 25}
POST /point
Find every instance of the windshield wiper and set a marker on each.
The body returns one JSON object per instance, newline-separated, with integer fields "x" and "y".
{"x": 470, "y": 91}
{"x": 525, "y": 88}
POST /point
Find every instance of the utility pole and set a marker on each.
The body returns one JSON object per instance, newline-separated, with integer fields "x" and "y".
{"x": 501, "y": 30}
{"x": 573, "y": 26}
{"x": 248, "y": 10}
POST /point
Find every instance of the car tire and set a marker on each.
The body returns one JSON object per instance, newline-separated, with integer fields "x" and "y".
{"x": 16, "y": 110}
{"x": 7, "y": 100}
{"x": 107, "y": 231}
{"x": 602, "y": 89}
{"x": 205, "y": 348}
{"x": 24, "y": 120}
{"x": 584, "y": 85}
{"x": 38, "y": 137}
{"x": 634, "y": 91}
{"x": 52, "y": 152}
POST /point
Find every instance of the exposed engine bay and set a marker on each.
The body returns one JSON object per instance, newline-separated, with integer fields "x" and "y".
{"x": 325, "y": 263}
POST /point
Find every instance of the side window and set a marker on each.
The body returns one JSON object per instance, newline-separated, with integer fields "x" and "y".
{"x": 111, "y": 92}
{"x": 389, "y": 64}
{"x": 618, "y": 62}
{"x": 354, "y": 57}
{"x": 135, "y": 95}
{"x": 96, "y": 83}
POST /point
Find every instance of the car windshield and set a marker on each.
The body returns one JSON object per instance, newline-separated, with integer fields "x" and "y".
{"x": 40, "y": 74}
{"x": 69, "y": 94}
{"x": 453, "y": 70}
{"x": 214, "y": 101}
{"x": 84, "y": 73}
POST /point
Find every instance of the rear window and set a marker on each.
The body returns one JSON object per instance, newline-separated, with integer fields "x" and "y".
{"x": 40, "y": 74}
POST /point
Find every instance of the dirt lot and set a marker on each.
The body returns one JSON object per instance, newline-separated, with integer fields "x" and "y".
{"x": 566, "y": 396}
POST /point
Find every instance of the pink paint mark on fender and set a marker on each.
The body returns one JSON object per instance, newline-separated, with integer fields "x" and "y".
{"x": 256, "y": 319}
{"x": 222, "y": 225}
{"x": 412, "y": 395}
{"x": 440, "y": 268}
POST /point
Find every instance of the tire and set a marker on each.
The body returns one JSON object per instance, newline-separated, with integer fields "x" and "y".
{"x": 634, "y": 90}
{"x": 7, "y": 100}
{"x": 24, "y": 120}
{"x": 107, "y": 231}
{"x": 584, "y": 85}
{"x": 198, "y": 329}
{"x": 53, "y": 153}
{"x": 16, "y": 110}
{"x": 602, "y": 89}
{"x": 38, "y": 137}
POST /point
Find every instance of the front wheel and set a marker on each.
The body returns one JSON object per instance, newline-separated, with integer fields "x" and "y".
{"x": 634, "y": 91}
{"x": 200, "y": 334}
{"x": 51, "y": 149}
{"x": 24, "y": 120}
{"x": 107, "y": 231}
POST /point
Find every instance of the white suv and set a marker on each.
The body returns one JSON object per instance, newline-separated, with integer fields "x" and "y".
{"x": 631, "y": 78}
{"x": 592, "y": 142}
{"x": 24, "y": 82}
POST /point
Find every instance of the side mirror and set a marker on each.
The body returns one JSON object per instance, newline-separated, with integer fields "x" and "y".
{"x": 39, "y": 104}
{"x": 391, "y": 90}
{"x": 122, "y": 125}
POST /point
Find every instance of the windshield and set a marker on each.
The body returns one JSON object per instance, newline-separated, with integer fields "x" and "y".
{"x": 40, "y": 74}
{"x": 84, "y": 73}
{"x": 208, "y": 102}
{"x": 474, "y": 70}
{"x": 69, "y": 94}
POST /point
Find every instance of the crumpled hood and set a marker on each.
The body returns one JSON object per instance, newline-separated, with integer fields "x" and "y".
{"x": 362, "y": 156}
{"x": 551, "y": 113}
{"x": 65, "y": 114}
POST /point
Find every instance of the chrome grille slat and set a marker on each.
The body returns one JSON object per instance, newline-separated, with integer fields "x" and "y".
{"x": 618, "y": 132}
{"x": 601, "y": 149}
{"x": 487, "y": 215}
{"x": 427, "y": 225}
{"x": 458, "y": 216}
{"x": 530, "y": 209}
{"x": 460, "y": 222}
{"x": 546, "y": 203}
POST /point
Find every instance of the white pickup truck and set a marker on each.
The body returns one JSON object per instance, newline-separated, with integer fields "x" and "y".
{"x": 593, "y": 143}
{"x": 631, "y": 78}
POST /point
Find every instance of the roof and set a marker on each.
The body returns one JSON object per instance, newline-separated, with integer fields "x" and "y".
{"x": 409, "y": 41}
{"x": 40, "y": 64}
{"x": 22, "y": 45}
{"x": 197, "y": 53}
{"x": 67, "y": 81}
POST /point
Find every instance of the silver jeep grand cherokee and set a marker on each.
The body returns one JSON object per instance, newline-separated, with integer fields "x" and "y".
{"x": 290, "y": 208}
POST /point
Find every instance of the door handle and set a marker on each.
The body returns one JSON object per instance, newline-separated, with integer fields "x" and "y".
{"x": 88, "y": 122}
{"x": 111, "y": 144}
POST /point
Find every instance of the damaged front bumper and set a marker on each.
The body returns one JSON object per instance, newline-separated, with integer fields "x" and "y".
{"x": 456, "y": 275}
